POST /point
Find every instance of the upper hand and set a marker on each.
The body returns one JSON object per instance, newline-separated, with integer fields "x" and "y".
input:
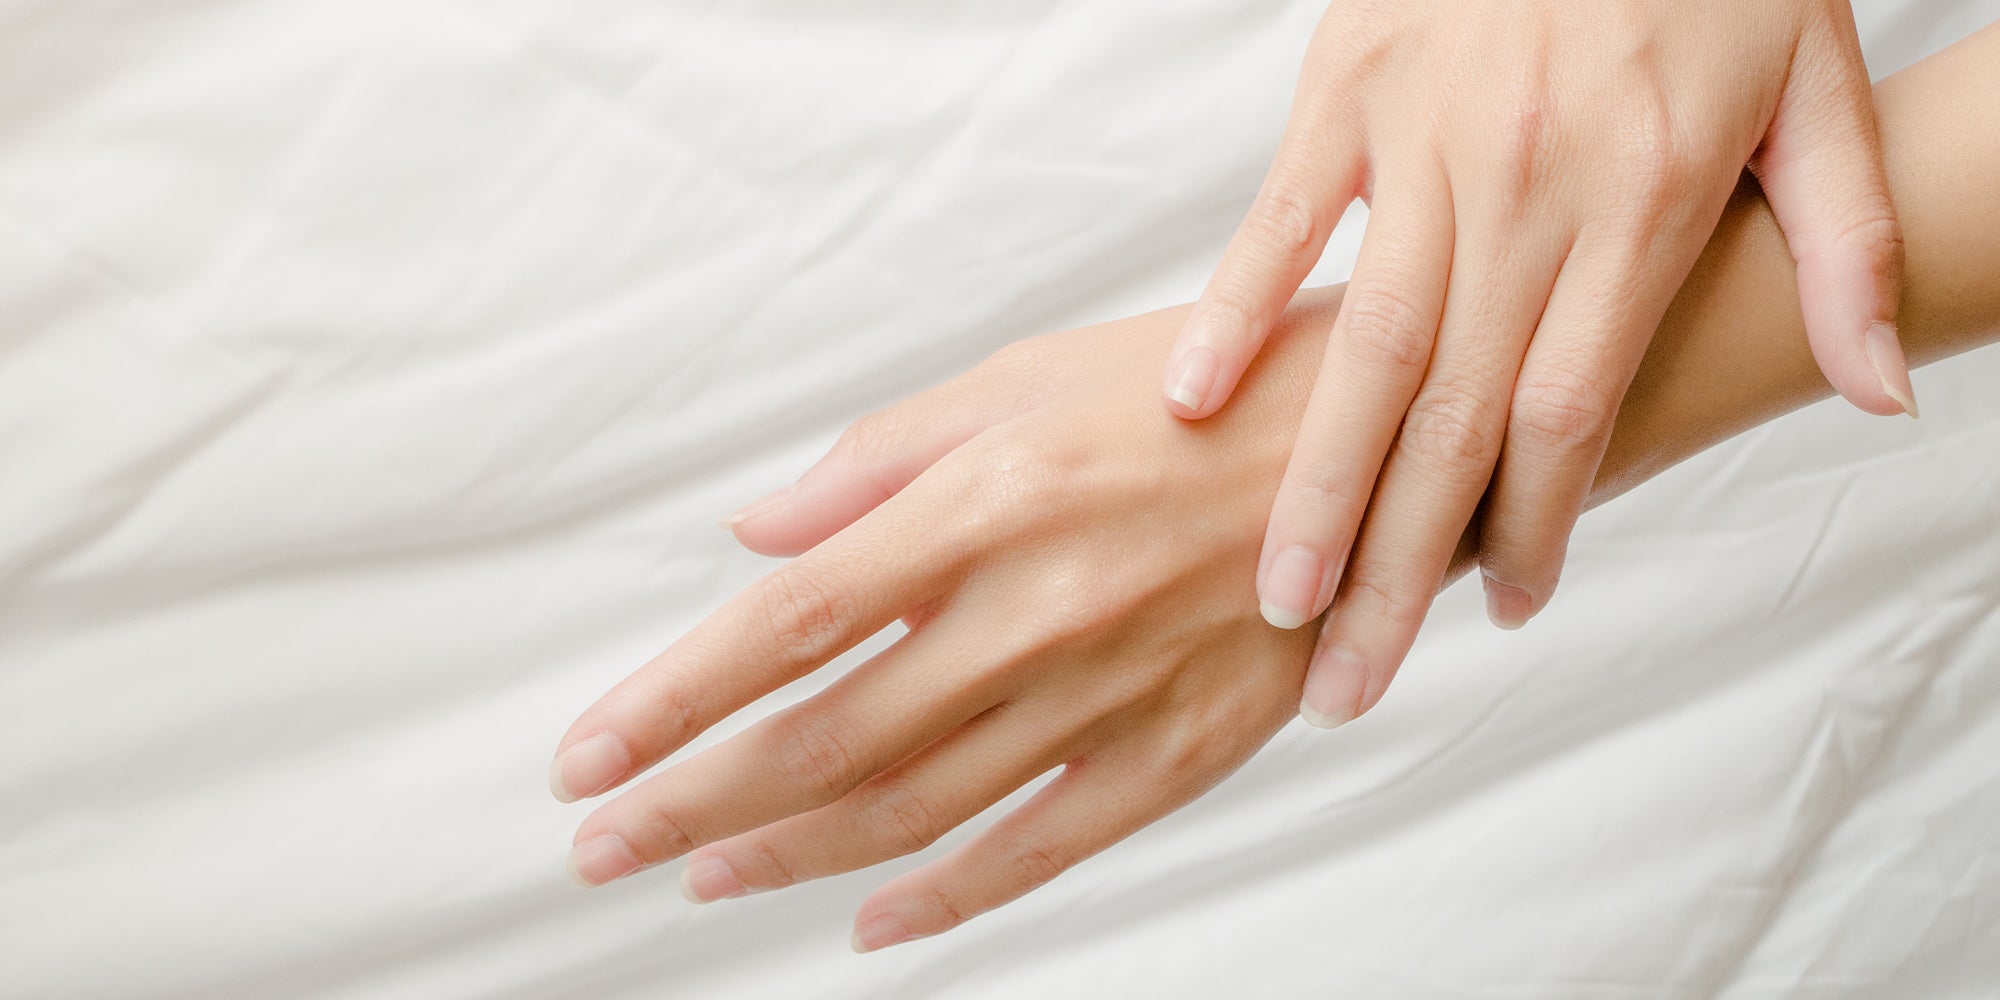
{"x": 1541, "y": 176}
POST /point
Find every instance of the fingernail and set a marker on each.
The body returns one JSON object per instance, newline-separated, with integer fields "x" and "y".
{"x": 709, "y": 878}
{"x": 1194, "y": 378}
{"x": 601, "y": 859}
{"x": 1885, "y": 355}
{"x": 1334, "y": 685}
{"x": 589, "y": 766}
{"x": 1291, "y": 587}
{"x": 879, "y": 931}
{"x": 1508, "y": 607}
{"x": 764, "y": 505}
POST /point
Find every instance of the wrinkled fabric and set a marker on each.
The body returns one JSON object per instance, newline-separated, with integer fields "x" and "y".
{"x": 373, "y": 374}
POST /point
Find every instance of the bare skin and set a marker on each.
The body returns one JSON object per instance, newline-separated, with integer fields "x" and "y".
{"x": 1541, "y": 178}
{"x": 1075, "y": 601}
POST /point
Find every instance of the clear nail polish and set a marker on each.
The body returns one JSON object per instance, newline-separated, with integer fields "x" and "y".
{"x": 589, "y": 766}
{"x": 1291, "y": 587}
{"x": 1336, "y": 682}
{"x": 708, "y": 878}
{"x": 1194, "y": 378}
{"x": 1506, "y": 606}
{"x": 601, "y": 859}
{"x": 1885, "y": 355}
{"x": 879, "y": 931}
{"x": 760, "y": 506}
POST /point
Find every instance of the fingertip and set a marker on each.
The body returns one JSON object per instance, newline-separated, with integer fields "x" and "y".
{"x": 590, "y": 766}
{"x": 1336, "y": 685}
{"x": 1507, "y": 606}
{"x": 878, "y": 932}
{"x": 759, "y": 507}
{"x": 777, "y": 541}
{"x": 1860, "y": 353}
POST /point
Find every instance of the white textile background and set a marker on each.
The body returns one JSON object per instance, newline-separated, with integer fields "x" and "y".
{"x": 373, "y": 373}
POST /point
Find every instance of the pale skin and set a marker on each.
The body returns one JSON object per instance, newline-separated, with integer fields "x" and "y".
{"x": 1542, "y": 175}
{"x": 1075, "y": 601}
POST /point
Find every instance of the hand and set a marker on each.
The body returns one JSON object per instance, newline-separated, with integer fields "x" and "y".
{"x": 1542, "y": 177}
{"x": 1072, "y": 603}
{"x": 1728, "y": 356}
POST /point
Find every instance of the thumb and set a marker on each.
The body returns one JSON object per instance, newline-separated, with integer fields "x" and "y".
{"x": 883, "y": 452}
{"x": 1822, "y": 172}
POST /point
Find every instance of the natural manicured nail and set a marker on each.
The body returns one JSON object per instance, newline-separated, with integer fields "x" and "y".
{"x": 589, "y": 766}
{"x": 763, "y": 505}
{"x": 1291, "y": 587}
{"x": 1885, "y": 355}
{"x": 708, "y": 878}
{"x": 879, "y": 931}
{"x": 1508, "y": 607}
{"x": 601, "y": 859}
{"x": 1194, "y": 377}
{"x": 1335, "y": 683}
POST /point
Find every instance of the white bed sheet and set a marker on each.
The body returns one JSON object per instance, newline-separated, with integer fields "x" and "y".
{"x": 373, "y": 373}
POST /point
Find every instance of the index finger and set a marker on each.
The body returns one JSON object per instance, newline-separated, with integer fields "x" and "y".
{"x": 1316, "y": 174}
{"x": 783, "y": 627}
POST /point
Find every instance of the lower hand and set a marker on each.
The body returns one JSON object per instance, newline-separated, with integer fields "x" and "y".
{"x": 1071, "y": 604}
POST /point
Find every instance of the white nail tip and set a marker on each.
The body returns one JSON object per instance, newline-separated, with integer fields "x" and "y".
{"x": 1185, "y": 397}
{"x": 687, "y": 887}
{"x": 556, "y": 782}
{"x": 1280, "y": 617}
{"x": 1319, "y": 719}
{"x": 1885, "y": 356}
{"x": 1902, "y": 399}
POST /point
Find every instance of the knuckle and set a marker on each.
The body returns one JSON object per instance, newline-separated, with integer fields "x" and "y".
{"x": 806, "y": 613}
{"x": 1284, "y": 222}
{"x": 770, "y": 861}
{"x": 1560, "y": 413}
{"x": 1452, "y": 431}
{"x": 1328, "y": 489}
{"x": 1019, "y": 474}
{"x": 1362, "y": 38}
{"x": 946, "y": 910}
{"x": 815, "y": 754}
{"x": 661, "y": 835}
{"x": 1036, "y": 858}
{"x": 869, "y": 435}
{"x": 1387, "y": 331}
{"x": 901, "y": 817}
{"x": 675, "y": 711}
{"x": 1399, "y": 608}
{"x": 1657, "y": 157}
{"x": 1205, "y": 749}
{"x": 1523, "y": 142}
{"x": 1231, "y": 309}
{"x": 1875, "y": 235}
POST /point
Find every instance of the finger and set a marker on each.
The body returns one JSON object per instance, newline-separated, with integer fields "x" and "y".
{"x": 1092, "y": 804}
{"x": 900, "y": 811}
{"x": 1822, "y": 172}
{"x": 784, "y": 626}
{"x": 1315, "y": 176}
{"x": 1375, "y": 359}
{"x": 879, "y": 454}
{"x": 1606, "y": 304}
{"x": 1437, "y": 470}
{"x": 797, "y": 760}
